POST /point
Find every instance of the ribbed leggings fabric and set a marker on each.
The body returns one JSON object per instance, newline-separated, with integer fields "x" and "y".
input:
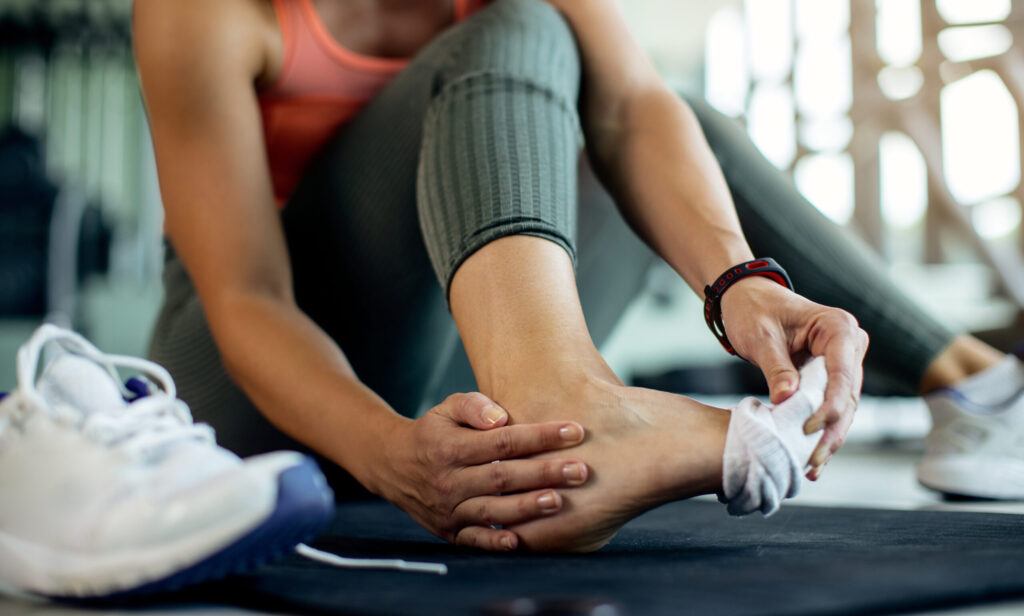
{"x": 478, "y": 138}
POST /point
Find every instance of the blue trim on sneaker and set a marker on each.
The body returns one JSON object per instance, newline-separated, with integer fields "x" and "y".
{"x": 4, "y": 394}
{"x": 305, "y": 505}
{"x": 975, "y": 407}
{"x": 138, "y": 387}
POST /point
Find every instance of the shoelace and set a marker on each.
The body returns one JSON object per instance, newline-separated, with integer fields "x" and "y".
{"x": 146, "y": 426}
{"x": 396, "y": 564}
{"x": 149, "y": 424}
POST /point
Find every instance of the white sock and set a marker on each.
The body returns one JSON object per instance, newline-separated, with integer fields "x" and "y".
{"x": 996, "y": 385}
{"x": 766, "y": 450}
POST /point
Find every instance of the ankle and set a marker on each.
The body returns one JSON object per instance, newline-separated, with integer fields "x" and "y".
{"x": 963, "y": 358}
{"x": 546, "y": 393}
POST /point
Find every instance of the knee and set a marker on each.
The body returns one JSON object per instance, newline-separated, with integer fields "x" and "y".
{"x": 518, "y": 38}
{"x": 538, "y": 17}
{"x": 701, "y": 110}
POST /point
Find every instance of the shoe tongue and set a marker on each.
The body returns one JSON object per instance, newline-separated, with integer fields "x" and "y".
{"x": 80, "y": 383}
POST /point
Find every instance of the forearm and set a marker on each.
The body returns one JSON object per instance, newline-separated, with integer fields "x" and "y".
{"x": 660, "y": 169}
{"x": 300, "y": 380}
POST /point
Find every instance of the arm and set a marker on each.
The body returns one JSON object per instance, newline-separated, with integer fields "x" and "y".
{"x": 198, "y": 63}
{"x": 648, "y": 148}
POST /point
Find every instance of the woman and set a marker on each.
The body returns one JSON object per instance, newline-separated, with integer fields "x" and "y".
{"x": 318, "y": 185}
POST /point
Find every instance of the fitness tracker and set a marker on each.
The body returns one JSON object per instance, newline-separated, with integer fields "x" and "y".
{"x": 713, "y": 292}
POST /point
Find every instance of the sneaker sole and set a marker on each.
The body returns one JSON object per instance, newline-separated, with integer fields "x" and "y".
{"x": 973, "y": 478}
{"x": 304, "y": 506}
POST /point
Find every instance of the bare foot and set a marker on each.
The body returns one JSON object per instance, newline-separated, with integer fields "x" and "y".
{"x": 520, "y": 319}
{"x": 643, "y": 448}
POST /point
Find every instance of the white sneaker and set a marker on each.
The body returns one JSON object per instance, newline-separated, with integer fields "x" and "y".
{"x": 100, "y": 497}
{"x": 973, "y": 450}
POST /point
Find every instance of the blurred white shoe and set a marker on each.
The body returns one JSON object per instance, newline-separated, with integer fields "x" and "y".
{"x": 975, "y": 449}
{"x": 100, "y": 497}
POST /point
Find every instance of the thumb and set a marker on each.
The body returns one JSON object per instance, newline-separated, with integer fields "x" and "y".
{"x": 473, "y": 409}
{"x": 782, "y": 376}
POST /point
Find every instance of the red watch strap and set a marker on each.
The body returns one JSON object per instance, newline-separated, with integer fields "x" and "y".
{"x": 713, "y": 293}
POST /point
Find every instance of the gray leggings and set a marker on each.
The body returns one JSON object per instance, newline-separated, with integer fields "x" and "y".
{"x": 478, "y": 139}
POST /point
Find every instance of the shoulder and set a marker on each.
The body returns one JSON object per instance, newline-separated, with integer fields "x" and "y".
{"x": 189, "y": 34}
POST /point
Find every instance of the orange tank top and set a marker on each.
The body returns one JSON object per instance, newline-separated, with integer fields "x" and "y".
{"x": 321, "y": 86}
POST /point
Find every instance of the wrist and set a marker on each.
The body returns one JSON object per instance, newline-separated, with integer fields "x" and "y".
{"x": 743, "y": 291}
{"x": 716, "y": 292}
{"x": 370, "y": 455}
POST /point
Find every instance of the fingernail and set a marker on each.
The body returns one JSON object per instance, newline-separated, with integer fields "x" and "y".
{"x": 508, "y": 542}
{"x": 548, "y": 502}
{"x": 492, "y": 414}
{"x": 570, "y": 433}
{"x": 574, "y": 473}
{"x": 813, "y": 426}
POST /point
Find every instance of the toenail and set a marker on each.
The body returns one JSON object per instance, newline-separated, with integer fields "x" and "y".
{"x": 573, "y": 473}
{"x": 548, "y": 502}
{"x": 570, "y": 433}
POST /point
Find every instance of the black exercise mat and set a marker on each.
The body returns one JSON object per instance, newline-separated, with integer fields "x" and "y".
{"x": 684, "y": 558}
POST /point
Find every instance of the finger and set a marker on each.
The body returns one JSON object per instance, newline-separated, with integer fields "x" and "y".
{"x": 841, "y": 399}
{"x": 843, "y": 343}
{"x": 815, "y": 473}
{"x": 832, "y": 440}
{"x": 521, "y": 475}
{"x": 507, "y": 510}
{"x": 843, "y": 387}
{"x": 486, "y": 538}
{"x": 519, "y": 440}
{"x": 774, "y": 361}
{"x": 834, "y": 436}
{"x": 473, "y": 409}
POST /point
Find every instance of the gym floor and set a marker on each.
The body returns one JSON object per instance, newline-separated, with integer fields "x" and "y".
{"x": 867, "y": 473}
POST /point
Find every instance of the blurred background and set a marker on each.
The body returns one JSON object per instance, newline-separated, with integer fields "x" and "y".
{"x": 898, "y": 119}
